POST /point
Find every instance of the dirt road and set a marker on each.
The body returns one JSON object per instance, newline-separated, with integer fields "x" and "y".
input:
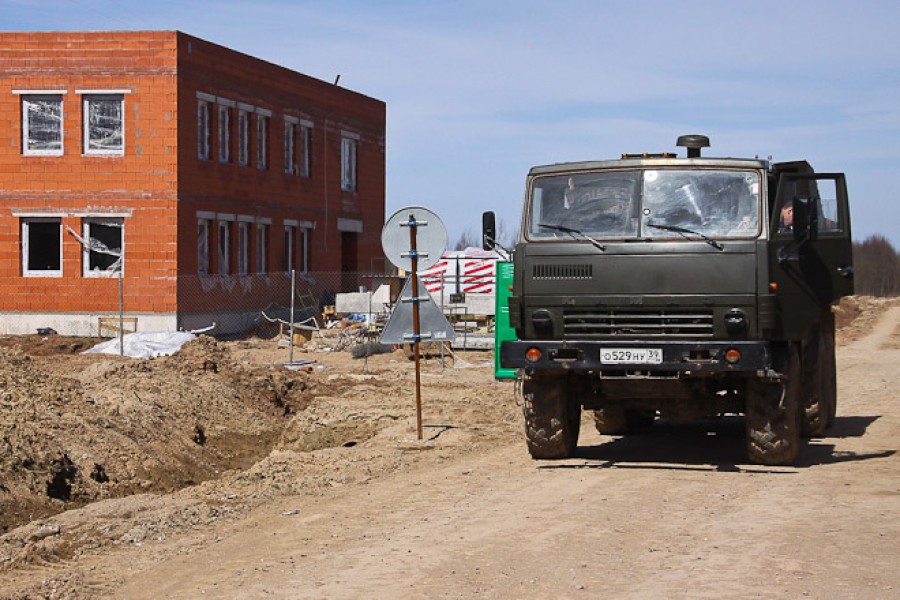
{"x": 676, "y": 512}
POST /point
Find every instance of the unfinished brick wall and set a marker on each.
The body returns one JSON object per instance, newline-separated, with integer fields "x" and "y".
{"x": 141, "y": 183}
{"x": 159, "y": 185}
{"x": 208, "y": 185}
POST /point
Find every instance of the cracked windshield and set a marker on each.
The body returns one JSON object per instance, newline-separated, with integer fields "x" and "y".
{"x": 645, "y": 203}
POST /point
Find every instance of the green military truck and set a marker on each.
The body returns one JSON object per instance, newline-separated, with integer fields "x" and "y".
{"x": 682, "y": 288}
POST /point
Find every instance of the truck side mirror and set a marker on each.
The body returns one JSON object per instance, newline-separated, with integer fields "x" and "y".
{"x": 806, "y": 219}
{"x": 488, "y": 230}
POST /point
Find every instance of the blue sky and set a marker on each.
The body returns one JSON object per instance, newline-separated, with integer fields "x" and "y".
{"x": 479, "y": 91}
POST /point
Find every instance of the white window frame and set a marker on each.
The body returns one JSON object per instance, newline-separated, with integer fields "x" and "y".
{"x": 243, "y": 248}
{"x": 87, "y": 98}
{"x": 290, "y": 147}
{"x": 262, "y": 139}
{"x": 349, "y": 142}
{"x": 261, "y": 246}
{"x": 224, "y": 127}
{"x": 24, "y": 228}
{"x": 32, "y": 97}
{"x": 243, "y": 137}
{"x": 223, "y": 247}
{"x": 86, "y": 250}
{"x": 203, "y": 129}
{"x": 203, "y": 246}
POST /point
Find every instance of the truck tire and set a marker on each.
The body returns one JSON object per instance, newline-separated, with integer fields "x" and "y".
{"x": 821, "y": 399}
{"x": 615, "y": 420}
{"x": 552, "y": 417}
{"x": 773, "y": 416}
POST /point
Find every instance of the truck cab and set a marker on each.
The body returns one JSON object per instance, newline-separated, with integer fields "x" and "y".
{"x": 689, "y": 287}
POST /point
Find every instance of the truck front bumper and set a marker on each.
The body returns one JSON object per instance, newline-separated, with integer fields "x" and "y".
{"x": 662, "y": 358}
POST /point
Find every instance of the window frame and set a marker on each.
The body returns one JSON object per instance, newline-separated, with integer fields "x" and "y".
{"x": 86, "y": 223}
{"x": 87, "y": 98}
{"x": 243, "y": 249}
{"x": 203, "y": 262}
{"x": 304, "y": 248}
{"x": 45, "y": 95}
{"x": 349, "y": 162}
{"x": 290, "y": 146}
{"x": 25, "y": 246}
{"x": 262, "y": 237}
{"x": 223, "y": 247}
{"x": 305, "y": 149}
{"x": 243, "y": 137}
{"x": 262, "y": 139}
{"x": 290, "y": 238}
{"x": 223, "y": 126}
{"x": 203, "y": 129}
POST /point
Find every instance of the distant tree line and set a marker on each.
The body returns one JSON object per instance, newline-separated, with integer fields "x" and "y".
{"x": 506, "y": 236}
{"x": 876, "y": 265}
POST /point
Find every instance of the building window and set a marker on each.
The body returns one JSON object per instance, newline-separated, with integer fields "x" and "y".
{"x": 42, "y": 247}
{"x": 290, "y": 155}
{"x": 224, "y": 134}
{"x": 303, "y": 257}
{"x": 261, "y": 245}
{"x": 243, "y": 248}
{"x": 224, "y": 248}
{"x": 203, "y": 130}
{"x": 104, "y": 124}
{"x": 305, "y": 155}
{"x": 243, "y": 138}
{"x": 203, "y": 247}
{"x": 262, "y": 140}
{"x": 288, "y": 255}
{"x": 348, "y": 164}
{"x": 103, "y": 245}
{"x": 42, "y": 125}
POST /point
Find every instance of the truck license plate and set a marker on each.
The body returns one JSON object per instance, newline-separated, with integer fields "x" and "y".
{"x": 631, "y": 356}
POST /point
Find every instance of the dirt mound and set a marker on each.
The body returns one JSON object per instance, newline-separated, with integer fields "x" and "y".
{"x": 855, "y": 316}
{"x": 77, "y": 429}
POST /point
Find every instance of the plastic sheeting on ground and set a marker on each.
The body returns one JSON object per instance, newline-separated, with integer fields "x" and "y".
{"x": 145, "y": 344}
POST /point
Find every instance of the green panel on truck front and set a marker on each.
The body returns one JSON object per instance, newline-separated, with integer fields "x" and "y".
{"x": 502, "y": 331}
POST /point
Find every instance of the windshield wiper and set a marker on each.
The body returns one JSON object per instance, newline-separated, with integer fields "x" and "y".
{"x": 684, "y": 232}
{"x": 575, "y": 234}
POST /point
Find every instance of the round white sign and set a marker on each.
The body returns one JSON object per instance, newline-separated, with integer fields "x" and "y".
{"x": 431, "y": 237}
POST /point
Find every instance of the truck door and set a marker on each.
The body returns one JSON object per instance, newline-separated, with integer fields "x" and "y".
{"x": 812, "y": 256}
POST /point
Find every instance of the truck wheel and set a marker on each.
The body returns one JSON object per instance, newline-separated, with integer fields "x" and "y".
{"x": 615, "y": 420}
{"x": 819, "y": 405}
{"x": 773, "y": 416}
{"x": 552, "y": 417}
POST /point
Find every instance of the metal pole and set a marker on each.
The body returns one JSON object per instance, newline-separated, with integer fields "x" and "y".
{"x": 415, "y": 287}
{"x": 121, "y": 319}
{"x": 443, "y": 283}
{"x": 293, "y": 288}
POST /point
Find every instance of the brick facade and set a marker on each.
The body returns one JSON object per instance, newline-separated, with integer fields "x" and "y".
{"x": 155, "y": 185}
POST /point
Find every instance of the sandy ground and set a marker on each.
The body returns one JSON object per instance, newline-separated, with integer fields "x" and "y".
{"x": 331, "y": 496}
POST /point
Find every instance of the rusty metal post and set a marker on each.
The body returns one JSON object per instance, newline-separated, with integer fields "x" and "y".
{"x": 416, "y": 331}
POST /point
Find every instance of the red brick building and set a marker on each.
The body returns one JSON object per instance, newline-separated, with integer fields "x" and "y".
{"x": 196, "y": 174}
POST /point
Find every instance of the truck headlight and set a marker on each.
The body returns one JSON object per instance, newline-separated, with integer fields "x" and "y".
{"x": 735, "y": 322}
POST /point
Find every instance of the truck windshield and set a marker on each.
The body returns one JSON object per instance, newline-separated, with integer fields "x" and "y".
{"x": 650, "y": 203}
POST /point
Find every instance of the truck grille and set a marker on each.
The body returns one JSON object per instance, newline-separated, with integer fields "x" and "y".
{"x": 556, "y": 271}
{"x": 638, "y": 323}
